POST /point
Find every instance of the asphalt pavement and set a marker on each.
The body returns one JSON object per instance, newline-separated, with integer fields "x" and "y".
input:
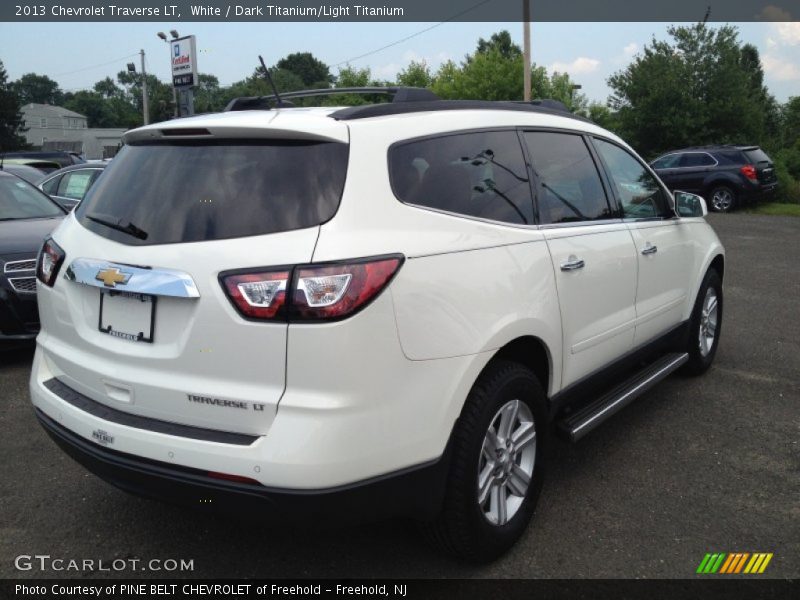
{"x": 697, "y": 465}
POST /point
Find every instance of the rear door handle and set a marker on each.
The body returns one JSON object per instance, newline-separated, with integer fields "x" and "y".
{"x": 572, "y": 264}
{"x": 649, "y": 249}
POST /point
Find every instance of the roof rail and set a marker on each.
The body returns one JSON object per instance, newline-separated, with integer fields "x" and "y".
{"x": 398, "y": 94}
{"x": 548, "y": 103}
{"x": 383, "y": 110}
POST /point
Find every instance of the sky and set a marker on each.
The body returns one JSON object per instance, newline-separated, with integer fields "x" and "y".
{"x": 77, "y": 55}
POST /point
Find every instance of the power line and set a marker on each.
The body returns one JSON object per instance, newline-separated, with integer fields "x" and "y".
{"x": 95, "y": 66}
{"x": 413, "y": 35}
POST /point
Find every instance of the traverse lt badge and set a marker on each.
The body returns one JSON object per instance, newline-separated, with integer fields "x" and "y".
{"x": 112, "y": 276}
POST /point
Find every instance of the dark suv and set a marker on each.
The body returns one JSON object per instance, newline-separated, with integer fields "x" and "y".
{"x": 726, "y": 176}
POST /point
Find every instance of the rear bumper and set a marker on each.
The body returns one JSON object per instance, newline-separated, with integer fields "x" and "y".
{"x": 416, "y": 492}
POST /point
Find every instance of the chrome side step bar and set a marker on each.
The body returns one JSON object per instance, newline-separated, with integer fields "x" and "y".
{"x": 577, "y": 425}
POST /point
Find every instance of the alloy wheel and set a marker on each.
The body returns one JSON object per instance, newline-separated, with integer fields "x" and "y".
{"x": 506, "y": 463}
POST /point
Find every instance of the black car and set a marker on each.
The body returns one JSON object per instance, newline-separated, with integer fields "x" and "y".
{"x": 27, "y": 216}
{"x": 61, "y": 157}
{"x": 69, "y": 185}
{"x": 726, "y": 176}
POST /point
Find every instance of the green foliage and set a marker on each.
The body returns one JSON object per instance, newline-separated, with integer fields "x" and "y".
{"x": 10, "y": 116}
{"x": 702, "y": 87}
{"x": 416, "y": 74}
{"x": 39, "y": 89}
{"x": 313, "y": 73}
{"x": 500, "y": 42}
{"x": 486, "y": 76}
{"x": 161, "y": 102}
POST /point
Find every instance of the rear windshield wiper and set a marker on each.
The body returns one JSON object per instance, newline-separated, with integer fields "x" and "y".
{"x": 119, "y": 225}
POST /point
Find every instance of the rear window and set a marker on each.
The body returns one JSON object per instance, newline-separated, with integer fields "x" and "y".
{"x": 192, "y": 192}
{"x": 477, "y": 174}
{"x": 757, "y": 156}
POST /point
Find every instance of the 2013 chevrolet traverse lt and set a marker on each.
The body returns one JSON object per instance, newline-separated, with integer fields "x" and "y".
{"x": 366, "y": 311}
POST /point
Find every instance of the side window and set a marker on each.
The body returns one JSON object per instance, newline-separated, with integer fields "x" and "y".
{"x": 568, "y": 187}
{"x": 479, "y": 174}
{"x": 639, "y": 192}
{"x": 697, "y": 159}
{"x": 51, "y": 186}
{"x": 75, "y": 184}
{"x": 670, "y": 161}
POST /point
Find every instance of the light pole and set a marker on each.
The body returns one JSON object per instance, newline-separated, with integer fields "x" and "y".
{"x": 572, "y": 88}
{"x": 163, "y": 36}
{"x": 526, "y": 50}
{"x": 145, "y": 104}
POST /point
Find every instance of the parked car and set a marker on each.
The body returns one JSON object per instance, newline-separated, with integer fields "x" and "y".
{"x": 45, "y": 166}
{"x": 726, "y": 176}
{"x": 369, "y": 311}
{"x": 69, "y": 185}
{"x": 27, "y": 216}
{"x": 29, "y": 174}
{"x": 63, "y": 158}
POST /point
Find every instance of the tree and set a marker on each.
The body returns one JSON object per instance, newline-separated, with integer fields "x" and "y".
{"x": 494, "y": 72}
{"x": 416, "y": 74}
{"x": 161, "y": 102}
{"x": 702, "y": 87}
{"x": 39, "y": 89}
{"x": 11, "y": 122}
{"x": 312, "y": 72}
{"x": 501, "y": 42}
{"x": 94, "y": 107}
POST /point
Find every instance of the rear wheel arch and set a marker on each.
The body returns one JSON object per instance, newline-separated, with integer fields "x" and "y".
{"x": 530, "y": 352}
{"x": 718, "y": 264}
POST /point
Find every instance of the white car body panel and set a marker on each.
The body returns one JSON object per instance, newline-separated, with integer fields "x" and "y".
{"x": 377, "y": 392}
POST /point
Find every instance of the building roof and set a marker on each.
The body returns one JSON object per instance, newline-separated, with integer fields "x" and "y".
{"x": 51, "y": 111}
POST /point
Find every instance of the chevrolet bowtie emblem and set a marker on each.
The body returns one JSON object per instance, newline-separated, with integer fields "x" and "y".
{"x": 112, "y": 276}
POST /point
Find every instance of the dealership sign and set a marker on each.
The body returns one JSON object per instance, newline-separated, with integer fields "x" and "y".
{"x": 184, "y": 61}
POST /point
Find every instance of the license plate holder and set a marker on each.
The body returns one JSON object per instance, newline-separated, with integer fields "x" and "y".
{"x": 127, "y": 315}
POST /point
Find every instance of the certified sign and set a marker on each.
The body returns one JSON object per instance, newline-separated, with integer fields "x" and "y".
{"x": 184, "y": 62}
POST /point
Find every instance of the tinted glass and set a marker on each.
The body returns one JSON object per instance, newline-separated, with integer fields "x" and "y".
{"x": 670, "y": 161}
{"x": 20, "y": 200}
{"x": 51, "y": 186}
{"x": 569, "y": 187}
{"x": 190, "y": 192}
{"x": 697, "y": 159}
{"x": 639, "y": 192}
{"x": 479, "y": 174}
{"x": 757, "y": 156}
{"x": 732, "y": 157}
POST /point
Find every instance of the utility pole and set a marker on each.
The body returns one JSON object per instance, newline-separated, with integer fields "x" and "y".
{"x": 526, "y": 50}
{"x": 145, "y": 105}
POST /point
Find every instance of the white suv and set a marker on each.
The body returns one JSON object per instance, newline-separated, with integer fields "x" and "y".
{"x": 370, "y": 311}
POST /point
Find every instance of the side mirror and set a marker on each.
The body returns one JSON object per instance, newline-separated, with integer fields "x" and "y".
{"x": 690, "y": 205}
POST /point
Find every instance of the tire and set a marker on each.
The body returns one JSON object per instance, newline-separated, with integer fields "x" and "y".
{"x": 721, "y": 198}
{"x": 705, "y": 320}
{"x": 465, "y": 527}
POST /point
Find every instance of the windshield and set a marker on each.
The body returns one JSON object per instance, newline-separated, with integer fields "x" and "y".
{"x": 20, "y": 200}
{"x": 757, "y": 156}
{"x": 188, "y": 191}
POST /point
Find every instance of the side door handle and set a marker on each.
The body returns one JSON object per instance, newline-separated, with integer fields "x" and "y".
{"x": 649, "y": 249}
{"x": 572, "y": 264}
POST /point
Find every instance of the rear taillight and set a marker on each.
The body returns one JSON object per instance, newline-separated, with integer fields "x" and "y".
{"x": 258, "y": 295}
{"x": 49, "y": 262}
{"x": 749, "y": 171}
{"x": 310, "y": 292}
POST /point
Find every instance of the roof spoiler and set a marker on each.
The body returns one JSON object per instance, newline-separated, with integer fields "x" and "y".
{"x": 398, "y": 94}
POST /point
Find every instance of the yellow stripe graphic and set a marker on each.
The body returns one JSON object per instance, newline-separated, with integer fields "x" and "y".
{"x": 757, "y": 558}
{"x": 765, "y": 563}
